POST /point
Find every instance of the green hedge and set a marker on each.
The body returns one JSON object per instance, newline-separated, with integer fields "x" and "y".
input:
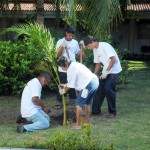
{"x": 16, "y": 63}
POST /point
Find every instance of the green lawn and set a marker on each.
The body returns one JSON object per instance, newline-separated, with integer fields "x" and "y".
{"x": 130, "y": 130}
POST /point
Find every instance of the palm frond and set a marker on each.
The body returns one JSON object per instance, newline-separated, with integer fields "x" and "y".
{"x": 101, "y": 16}
{"x": 71, "y": 15}
{"x": 45, "y": 65}
{"x": 43, "y": 39}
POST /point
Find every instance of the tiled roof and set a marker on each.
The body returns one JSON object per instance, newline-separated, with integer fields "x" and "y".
{"x": 52, "y": 7}
{"x": 139, "y": 7}
{"x": 47, "y": 7}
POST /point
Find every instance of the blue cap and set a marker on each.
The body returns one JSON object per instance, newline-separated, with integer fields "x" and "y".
{"x": 71, "y": 29}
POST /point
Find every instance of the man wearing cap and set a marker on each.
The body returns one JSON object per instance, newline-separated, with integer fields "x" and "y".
{"x": 104, "y": 54}
{"x": 69, "y": 47}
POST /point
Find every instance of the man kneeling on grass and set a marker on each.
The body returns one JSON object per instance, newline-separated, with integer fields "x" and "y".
{"x": 32, "y": 108}
{"x": 84, "y": 81}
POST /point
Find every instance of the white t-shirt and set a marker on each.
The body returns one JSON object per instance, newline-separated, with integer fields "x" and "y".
{"x": 33, "y": 88}
{"x": 102, "y": 55}
{"x": 73, "y": 49}
{"x": 79, "y": 76}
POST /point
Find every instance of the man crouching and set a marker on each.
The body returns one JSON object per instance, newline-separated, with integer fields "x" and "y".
{"x": 32, "y": 108}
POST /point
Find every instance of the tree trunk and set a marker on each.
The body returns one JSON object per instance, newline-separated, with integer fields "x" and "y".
{"x": 57, "y": 22}
{"x": 40, "y": 12}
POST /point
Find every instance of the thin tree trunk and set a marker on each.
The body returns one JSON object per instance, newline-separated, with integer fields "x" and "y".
{"x": 57, "y": 22}
{"x": 40, "y": 12}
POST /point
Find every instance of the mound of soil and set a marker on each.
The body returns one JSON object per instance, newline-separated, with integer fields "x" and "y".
{"x": 56, "y": 116}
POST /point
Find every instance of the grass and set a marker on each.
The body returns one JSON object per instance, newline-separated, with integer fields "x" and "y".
{"x": 128, "y": 131}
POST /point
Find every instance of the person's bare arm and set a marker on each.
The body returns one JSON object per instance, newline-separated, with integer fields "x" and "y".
{"x": 38, "y": 102}
{"x": 97, "y": 68}
{"x": 60, "y": 50}
{"x": 112, "y": 62}
{"x": 106, "y": 72}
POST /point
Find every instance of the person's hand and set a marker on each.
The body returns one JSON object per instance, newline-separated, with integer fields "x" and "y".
{"x": 64, "y": 44}
{"x": 82, "y": 43}
{"x": 61, "y": 88}
{"x": 104, "y": 75}
{"x": 62, "y": 91}
{"x": 47, "y": 110}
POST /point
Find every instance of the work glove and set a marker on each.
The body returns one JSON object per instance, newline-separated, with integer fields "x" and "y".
{"x": 82, "y": 43}
{"x": 61, "y": 88}
{"x": 104, "y": 74}
{"x": 64, "y": 44}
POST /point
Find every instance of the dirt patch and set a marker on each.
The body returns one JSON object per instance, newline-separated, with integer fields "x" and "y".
{"x": 56, "y": 116}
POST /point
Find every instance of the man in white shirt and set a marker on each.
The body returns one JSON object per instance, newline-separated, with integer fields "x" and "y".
{"x": 69, "y": 47}
{"x": 84, "y": 81}
{"x": 32, "y": 108}
{"x": 104, "y": 54}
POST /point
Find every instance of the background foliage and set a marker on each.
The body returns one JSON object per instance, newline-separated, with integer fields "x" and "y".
{"x": 34, "y": 51}
{"x": 16, "y": 63}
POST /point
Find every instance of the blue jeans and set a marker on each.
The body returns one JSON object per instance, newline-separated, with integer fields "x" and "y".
{"x": 39, "y": 121}
{"x": 92, "y": 87}
{"x": 106, "y": 89}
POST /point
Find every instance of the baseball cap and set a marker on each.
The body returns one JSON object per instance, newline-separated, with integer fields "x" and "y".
{"x": 71, "y": 29}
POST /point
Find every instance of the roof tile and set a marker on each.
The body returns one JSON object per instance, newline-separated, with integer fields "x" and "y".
{"x": 139, "y": 7}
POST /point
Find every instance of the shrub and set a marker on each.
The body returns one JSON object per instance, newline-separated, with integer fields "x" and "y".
{"x": 125, "y": 73}
{"x": 70, "y": 139}
{"x": 17, "y": 61}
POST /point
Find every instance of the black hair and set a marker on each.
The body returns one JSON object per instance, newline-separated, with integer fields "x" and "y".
{"x": 89, "y": 39}
{"x": 45, "y": 75}
{"x": 63, "y": 61}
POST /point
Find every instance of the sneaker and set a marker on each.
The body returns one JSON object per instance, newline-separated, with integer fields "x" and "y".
{"x": 21, "y": 129}
{"x": 58, "y": 106}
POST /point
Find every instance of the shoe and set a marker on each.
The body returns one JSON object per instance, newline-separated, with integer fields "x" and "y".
{"x": 75, "y": 127}
{"x": 110, "y": 115}
{"x": 21, "y": 129}
{"x": 58, "y": 106}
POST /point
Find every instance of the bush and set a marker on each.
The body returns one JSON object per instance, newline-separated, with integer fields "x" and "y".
{"x": 70, "y": 140}
{"x": 17, "y": 61}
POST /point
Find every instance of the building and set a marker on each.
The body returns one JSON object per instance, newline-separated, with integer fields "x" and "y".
{"x": 134, "y": 33}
